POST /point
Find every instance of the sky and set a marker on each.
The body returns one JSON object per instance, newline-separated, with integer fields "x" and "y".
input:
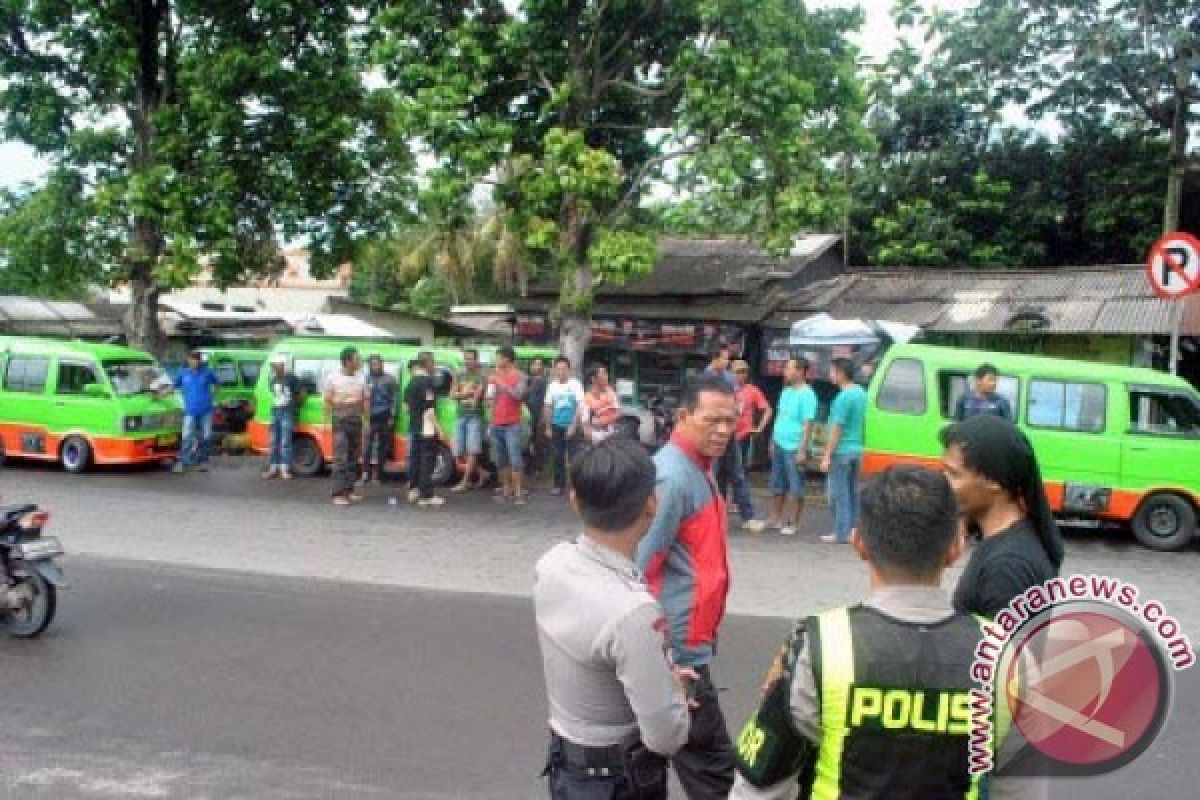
{"x": 19, "y": 164}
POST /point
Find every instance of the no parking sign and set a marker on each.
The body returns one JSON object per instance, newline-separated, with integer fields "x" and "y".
{"x": 1173, "y": 266}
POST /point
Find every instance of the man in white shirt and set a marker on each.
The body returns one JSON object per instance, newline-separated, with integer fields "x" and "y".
{"x": 563, "y": 414}
{"x": 346, "y": 403}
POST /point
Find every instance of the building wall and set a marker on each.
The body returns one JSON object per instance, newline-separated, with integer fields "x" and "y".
{"x": 1114, "y": 349}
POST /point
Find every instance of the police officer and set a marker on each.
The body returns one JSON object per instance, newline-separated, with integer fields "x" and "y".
{"x": 889, "y": 715}
{"x": 617, "y": 706}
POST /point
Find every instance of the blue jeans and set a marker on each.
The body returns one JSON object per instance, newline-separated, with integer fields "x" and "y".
{"x": 282, "y": 424}
{"x": 506, "y": 446}
{"x": 197, "y": 432}
{"x": 731, "y": 474}
{"x": 843, "y": 494}
{"x": 787, "y": 477}
{"x": 468, "y": 435}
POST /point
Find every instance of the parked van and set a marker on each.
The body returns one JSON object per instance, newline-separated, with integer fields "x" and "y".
{"x": 237, "y": 381}
{"x": 311, "y": 360}
{"x": 82, "y": 404}
{"x": 1114, "y": 443}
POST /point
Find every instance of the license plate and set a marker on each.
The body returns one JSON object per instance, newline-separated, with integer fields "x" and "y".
{"x": 168, "y": 441}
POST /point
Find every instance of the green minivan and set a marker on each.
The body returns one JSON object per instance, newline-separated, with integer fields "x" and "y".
{"x": 1114, "y": 443}
{"x": 311, "y": 360}
{"x": 81, "y": 404}
{"x": 237, "y": 372}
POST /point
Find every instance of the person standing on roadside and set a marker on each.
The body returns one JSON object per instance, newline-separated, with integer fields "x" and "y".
{"x": 563, "y": 413}
{"x": 617, "y": 704}
{"x": 469, "y": 386}
{"x": 730, "y": 471}
{"x": 346, "y": 403}
{"x": 195, "y": 382}
{"x": 286, "y": 397}
{"x": 983, "y": 400}
{"x": 843, "y": 450}
{"x": 381, "y": 428}
{"x": 994, "y": 472}
{"x": 508, "y": 386}
{"x": 790, "y": 439}
{"x": 602, "y": 407}
{"x": 754, "y": 410}
{"x": 535, "y": 401}
{"x": 685, "y": 559}
{"x": 420, "y": 398}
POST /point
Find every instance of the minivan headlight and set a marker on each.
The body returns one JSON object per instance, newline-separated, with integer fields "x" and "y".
{"x": 133, "y": 423}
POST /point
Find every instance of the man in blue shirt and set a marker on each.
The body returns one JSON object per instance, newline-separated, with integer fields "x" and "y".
{"x": 984, "y": 399}
{"x": 789, "y": 446}
{"x": 195, "y": 382}
{"x": 843, "y": 451}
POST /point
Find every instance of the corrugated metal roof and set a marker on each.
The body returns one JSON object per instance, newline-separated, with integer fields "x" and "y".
{"x": 1103, "y": 300}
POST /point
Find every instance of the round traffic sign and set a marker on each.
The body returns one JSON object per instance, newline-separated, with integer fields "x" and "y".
{"x": 1173, "y": 265}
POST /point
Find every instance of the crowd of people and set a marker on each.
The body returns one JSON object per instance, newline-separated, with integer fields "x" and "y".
{"x": 628, "y": 615}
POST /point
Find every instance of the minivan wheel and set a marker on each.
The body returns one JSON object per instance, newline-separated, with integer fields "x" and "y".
{"x": 307, "y": 460}
{"x": 75, "y": 454}
{"x": 1165, "y": 522}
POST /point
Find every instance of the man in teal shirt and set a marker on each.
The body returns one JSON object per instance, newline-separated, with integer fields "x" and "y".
{"x": 789, "y": 445}
{"x": 843, "y": 451}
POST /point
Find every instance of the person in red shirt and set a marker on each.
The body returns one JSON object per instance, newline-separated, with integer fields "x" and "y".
{"x": 506, "y": 388}
{"x": 754, "y": 411}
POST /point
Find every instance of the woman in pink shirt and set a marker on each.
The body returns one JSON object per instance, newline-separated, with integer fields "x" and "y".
{"x": 602, "y": 410}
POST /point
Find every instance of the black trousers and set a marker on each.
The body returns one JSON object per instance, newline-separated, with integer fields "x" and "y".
{"x": 705, "y": 766}
{"x": 562, "y": 449}
{"x": 379, "y": 446}
{"x": 566, "y": 783}
{"x": 421, "y": 464}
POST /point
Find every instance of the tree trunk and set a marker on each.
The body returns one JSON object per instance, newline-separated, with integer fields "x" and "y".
{"x": 575, "y": 303}
{"x": 141, "y": 321}
{"x": 146, "y": 241}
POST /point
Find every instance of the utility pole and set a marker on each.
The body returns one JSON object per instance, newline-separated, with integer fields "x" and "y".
{"x": 1187, "y": 60}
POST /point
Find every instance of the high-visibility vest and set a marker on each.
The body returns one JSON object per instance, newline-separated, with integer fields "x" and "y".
{"x": 896, "y": 708}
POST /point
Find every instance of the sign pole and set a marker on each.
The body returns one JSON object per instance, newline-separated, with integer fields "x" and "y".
{"x": 1176, "y": 324}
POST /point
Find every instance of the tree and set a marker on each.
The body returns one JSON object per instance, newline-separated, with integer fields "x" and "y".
{"x": 570, "y": 110}
{"x": 49, "y": 244}
{"x": 960, "y": 179}
{"x": 204, "y": 129}
{"x": 1132, "y": 63}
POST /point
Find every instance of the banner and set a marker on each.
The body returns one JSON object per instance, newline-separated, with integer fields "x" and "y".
{"x": 632, "y": 333}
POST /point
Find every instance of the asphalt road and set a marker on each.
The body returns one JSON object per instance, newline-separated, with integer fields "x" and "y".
{"x": 170, "y": 682}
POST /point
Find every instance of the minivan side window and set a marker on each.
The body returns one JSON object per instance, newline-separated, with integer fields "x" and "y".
{"x": 1162, "y": 412}
{"x": 953, "y": 385}
{"x": 227, "y": 374}
{"x": 26, "y": 374}
{"x": 73, "y": 377}
{"x": 1066, "y": 406}
{"x": 250, "y": 371}
{"x": 308, "y": 372}
{"x": 903, "y": 388}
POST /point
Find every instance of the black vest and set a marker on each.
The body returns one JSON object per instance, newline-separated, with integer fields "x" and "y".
{"x": 905, "y": 689}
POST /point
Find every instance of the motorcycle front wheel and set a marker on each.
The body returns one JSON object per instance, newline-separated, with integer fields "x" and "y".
{"x": 37, "y": 608}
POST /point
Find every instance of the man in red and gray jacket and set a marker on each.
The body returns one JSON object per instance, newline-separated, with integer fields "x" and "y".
{"x": 685, "y": 563}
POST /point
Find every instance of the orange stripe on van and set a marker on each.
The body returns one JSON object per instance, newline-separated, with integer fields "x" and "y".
{"x": 105, "y": 449}
{"x": 1122, "y": 507}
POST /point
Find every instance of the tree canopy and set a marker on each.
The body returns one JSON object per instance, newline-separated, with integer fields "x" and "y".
{"x": 571, "y": 111}
{"x": 201, "y": 130}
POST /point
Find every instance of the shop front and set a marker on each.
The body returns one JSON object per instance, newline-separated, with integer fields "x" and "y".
{"x": 648, "y": 360}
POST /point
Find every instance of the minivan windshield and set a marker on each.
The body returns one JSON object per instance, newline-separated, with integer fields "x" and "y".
{"x": 130, "y": 377}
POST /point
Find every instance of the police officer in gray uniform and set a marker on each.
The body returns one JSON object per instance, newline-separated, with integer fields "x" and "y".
{"x": 617, "y": 705}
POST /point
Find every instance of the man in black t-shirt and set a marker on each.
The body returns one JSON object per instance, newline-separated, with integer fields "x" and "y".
{"x": 420, "y": 398}
{"x": 286, "y": 397}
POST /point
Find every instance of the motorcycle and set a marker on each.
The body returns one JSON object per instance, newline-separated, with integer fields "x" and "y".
{"x": 29, "y": 577}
